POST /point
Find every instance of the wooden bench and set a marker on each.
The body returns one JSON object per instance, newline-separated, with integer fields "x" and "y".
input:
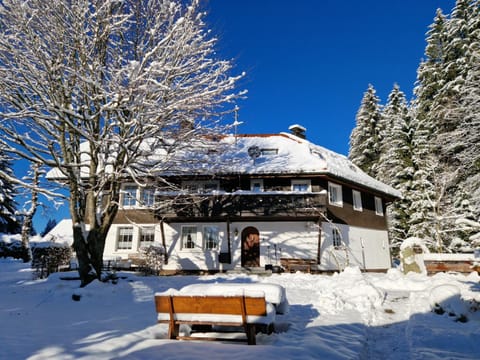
{"x": 434, "y": 267}
{"x": 239, "y": 311}
{"x": 294, "y": 265}
{"x": 275, "y": 294}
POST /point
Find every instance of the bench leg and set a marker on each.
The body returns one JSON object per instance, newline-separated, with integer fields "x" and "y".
{"x": 173, "y": 331}
{"x": 250, "y": 331}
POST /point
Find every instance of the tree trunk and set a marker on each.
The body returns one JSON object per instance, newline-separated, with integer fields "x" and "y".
{"x": 96, "y": 245}
{"x": 26, "y": 231}
{"x": 28, "y": 217}
{"x": 85, "y": 270}
{"x": 90, "y": 244}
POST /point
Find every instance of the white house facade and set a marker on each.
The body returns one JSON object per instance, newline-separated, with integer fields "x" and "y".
{"x": 266, "y": 200}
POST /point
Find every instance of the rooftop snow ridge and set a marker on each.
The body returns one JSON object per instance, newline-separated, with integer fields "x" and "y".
{"x": 284, "y": 153}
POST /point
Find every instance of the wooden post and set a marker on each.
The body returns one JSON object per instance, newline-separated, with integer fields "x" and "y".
{"x": 319, "y": 254}
{"x": 173, "y": 329}
{"x": 229, "y": 248}
{"x": 249, "y": 328}
{"x": 250, "y": 331}
{"x": 164, "y": 244}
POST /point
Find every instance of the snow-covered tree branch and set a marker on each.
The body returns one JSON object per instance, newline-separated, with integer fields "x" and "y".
{"x": 95, "y": 92}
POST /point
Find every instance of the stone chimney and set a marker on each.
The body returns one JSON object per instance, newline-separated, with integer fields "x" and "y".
{"x": 298, "y": 130}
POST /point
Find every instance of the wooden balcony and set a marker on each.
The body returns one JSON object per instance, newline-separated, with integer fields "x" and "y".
{"x": 241, "y": 204}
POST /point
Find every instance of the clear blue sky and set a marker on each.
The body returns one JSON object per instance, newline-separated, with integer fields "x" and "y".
{"x": 310, "y": 61}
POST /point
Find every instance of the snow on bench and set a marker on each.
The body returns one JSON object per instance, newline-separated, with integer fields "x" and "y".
{"x": 274, "y": 293}
{"x": 240, "y": 309}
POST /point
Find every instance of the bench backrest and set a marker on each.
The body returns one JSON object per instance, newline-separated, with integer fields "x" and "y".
{"x": 221, "y": 305}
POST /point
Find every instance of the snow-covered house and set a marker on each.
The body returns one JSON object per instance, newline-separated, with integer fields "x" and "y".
{"x": 262, "y": 200}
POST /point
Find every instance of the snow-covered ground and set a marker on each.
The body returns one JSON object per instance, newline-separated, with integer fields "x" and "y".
{"x": 350, "y": 315}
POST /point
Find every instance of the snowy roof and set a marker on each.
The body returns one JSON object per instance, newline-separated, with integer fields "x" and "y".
{"x": 288, "y": 154}
{"x": 61, "y": 233}
{"x": 272, "y": 154}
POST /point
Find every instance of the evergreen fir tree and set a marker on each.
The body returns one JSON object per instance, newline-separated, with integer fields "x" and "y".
{"x": 440, "y": 137}
{"x": 395, "y": 165}
{"x": 394, "y": 137}
{"x": 429, "y": 81}
{"x": 464, "y": 142}
{"x": 422, "y": 189}
{"x": 365, "y": 137}
{"x": 51, "y": 223}
{"x": 430, "y": 150}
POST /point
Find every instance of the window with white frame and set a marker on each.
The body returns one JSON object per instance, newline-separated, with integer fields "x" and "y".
{"x": 336, "y": 238}
{"x": 211, "y": 237}
{"x": 129, "y": 195}
{"x": 148, "y": 197}
{"x": 189, "y": 237}
{"x": 335, "y": 196}
{"x": 125, "y": 238}
{"x": 378, "y": 206}
{"x": 147, "y": 236}
{"x": 301, "y": 185}
{"x": 256, "y": 185}
{"x": 357, "y": 200}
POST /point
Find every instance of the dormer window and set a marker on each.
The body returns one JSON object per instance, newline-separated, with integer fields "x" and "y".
{"x": 301, "y": 185}
{"x": 269, "y": 152}
{"x": 317, "y": 153}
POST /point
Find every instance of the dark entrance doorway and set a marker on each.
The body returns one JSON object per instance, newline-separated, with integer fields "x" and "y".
{"x": 250, "y": 247}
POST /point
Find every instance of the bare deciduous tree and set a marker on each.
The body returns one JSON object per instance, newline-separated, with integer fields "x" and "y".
{"x": 93, "y": 88}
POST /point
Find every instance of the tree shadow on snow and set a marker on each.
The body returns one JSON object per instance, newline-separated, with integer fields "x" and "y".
{"x": 298, "y": 334}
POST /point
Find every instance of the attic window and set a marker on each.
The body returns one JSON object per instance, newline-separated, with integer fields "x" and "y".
{"x": 352, "y": 167}
{"x": 267, "y": 152}
{"x": 317, "y": 153}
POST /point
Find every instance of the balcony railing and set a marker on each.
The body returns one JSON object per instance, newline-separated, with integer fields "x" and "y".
{"x": 241, "y": 204}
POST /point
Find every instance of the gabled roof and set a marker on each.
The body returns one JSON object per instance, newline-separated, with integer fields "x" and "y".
{"x": 261, "y": 154}
{"x": 284, "y": 153}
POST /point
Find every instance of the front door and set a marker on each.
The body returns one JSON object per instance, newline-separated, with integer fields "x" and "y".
{"x": 250, "y": 247}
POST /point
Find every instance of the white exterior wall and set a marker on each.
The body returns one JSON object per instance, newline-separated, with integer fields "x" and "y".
{"x": 111, "y": 241}
{"x": 366, "y": 248}
{"x": 197, "y": 258}
{"x": 292, "y": 239}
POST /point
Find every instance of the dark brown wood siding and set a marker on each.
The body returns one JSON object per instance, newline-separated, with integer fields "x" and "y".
{"x": 136, "y": 216}
{"x": 288, "y": 205}
{"x": 367, "y": 218}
